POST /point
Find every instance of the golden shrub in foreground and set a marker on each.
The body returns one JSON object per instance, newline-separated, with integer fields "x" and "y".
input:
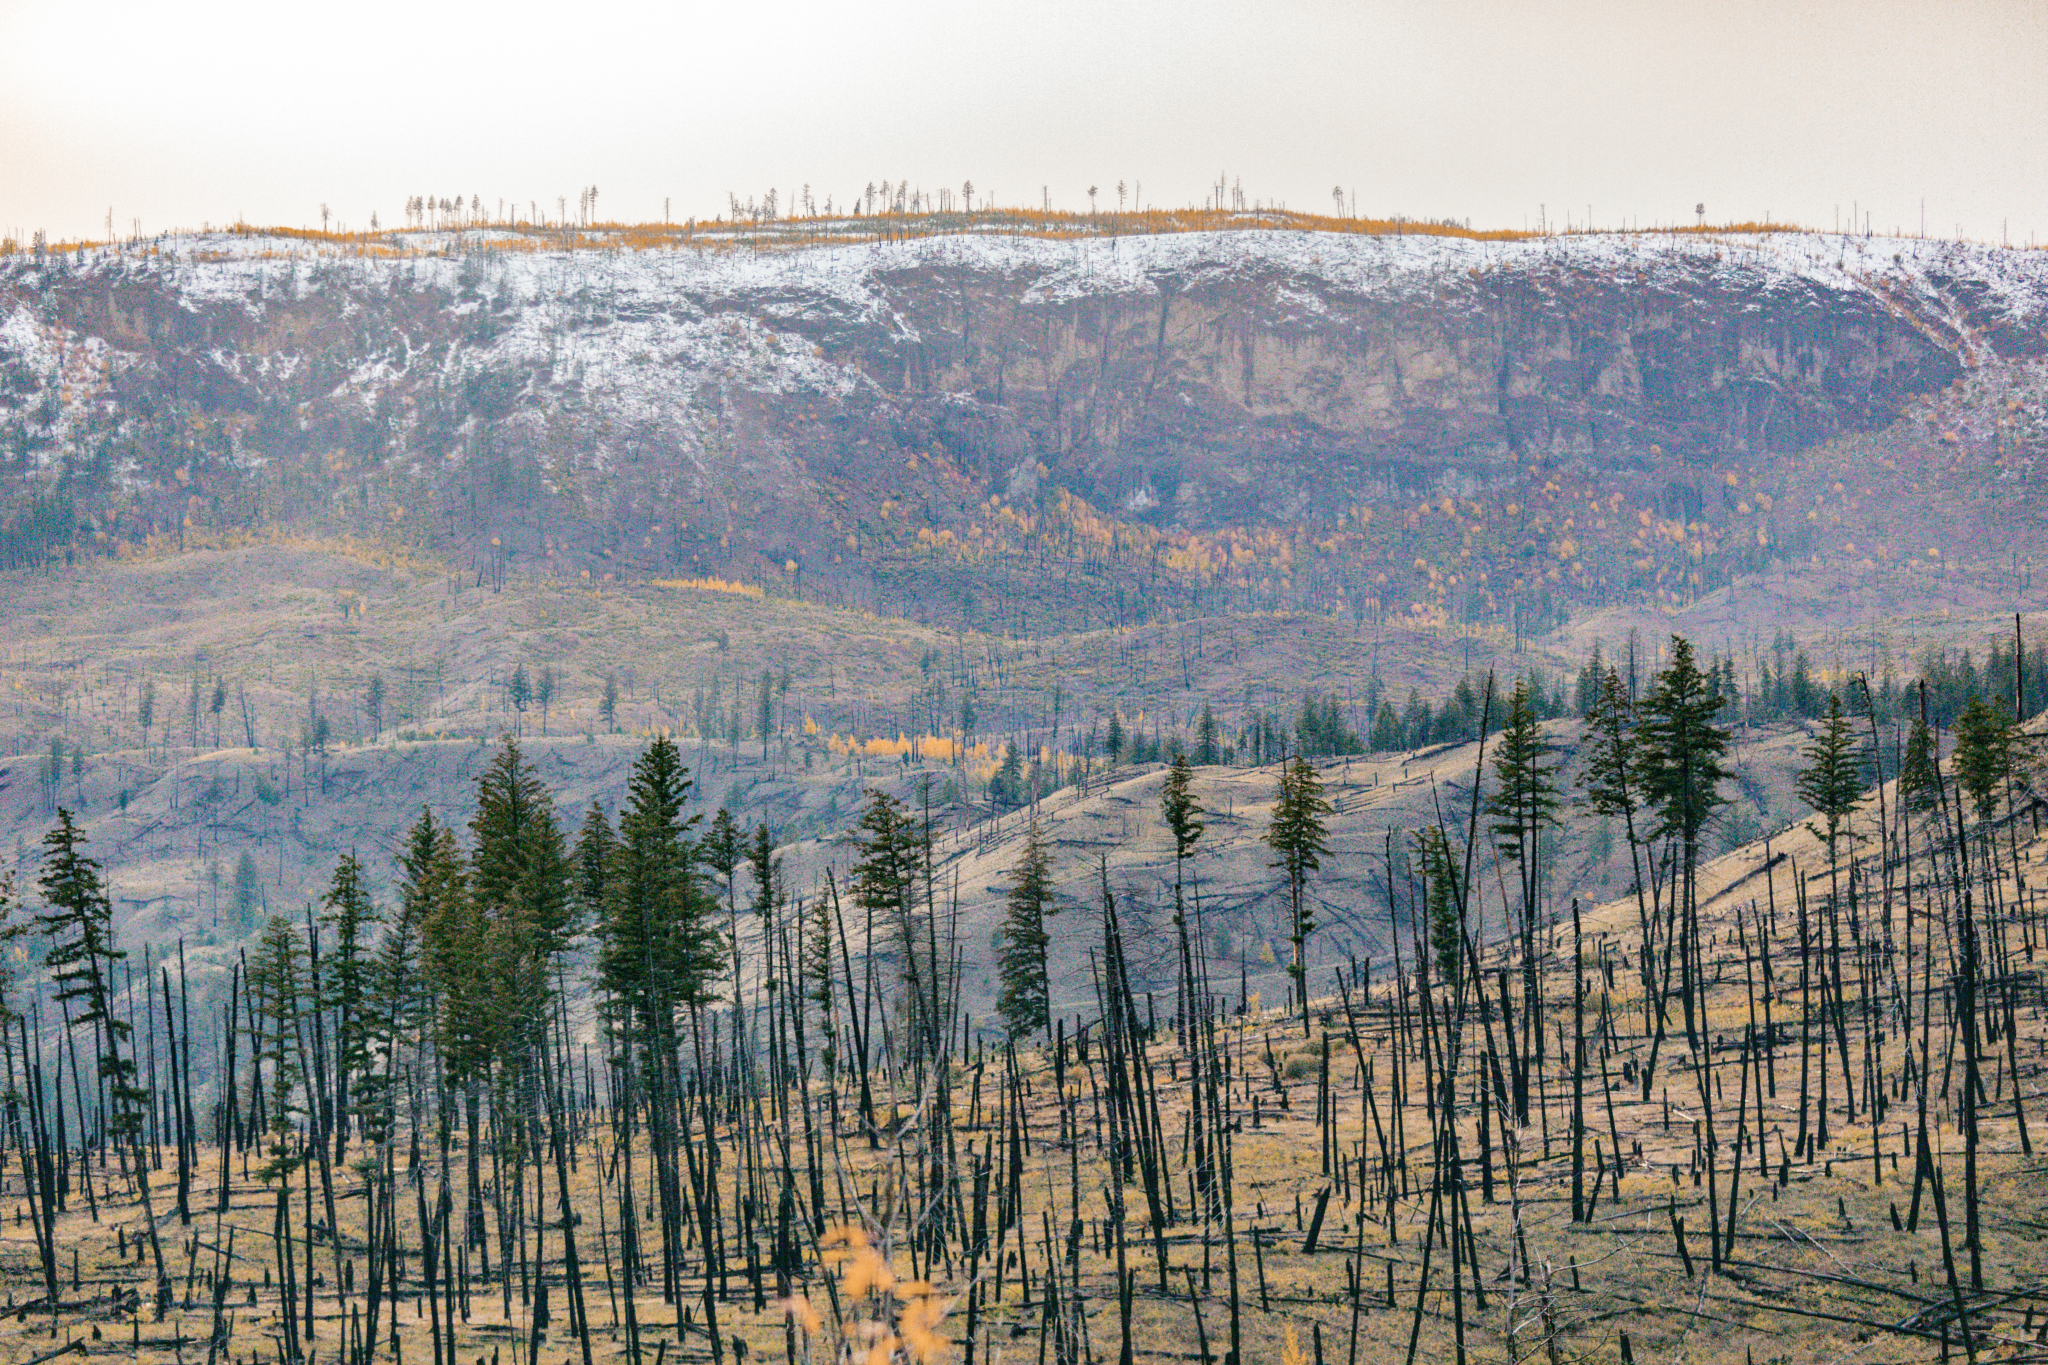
{"x": 878, "y": 1319}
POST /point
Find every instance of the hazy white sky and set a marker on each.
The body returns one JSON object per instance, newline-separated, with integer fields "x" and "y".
{"x": 176, "y": 112}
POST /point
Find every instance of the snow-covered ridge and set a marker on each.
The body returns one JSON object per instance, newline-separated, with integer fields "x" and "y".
{"x": 635, "y": 342}
{"x": 249, "y": 266}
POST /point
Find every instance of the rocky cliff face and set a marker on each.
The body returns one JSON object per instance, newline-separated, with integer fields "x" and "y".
{"x": 821, "y": 410}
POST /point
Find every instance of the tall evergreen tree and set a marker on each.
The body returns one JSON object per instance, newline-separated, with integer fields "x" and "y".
{"x": 1525, "y": 803}
{"x": 1296, "y": 836}
{"x": 595, "y": 847}
{"x": 1183, "y": 816}
{"x": 1443, "y": 917}
{"x": 1832, "y": 781}
{"x": 1612, "y": 786}
{"x": 761, "y": 862}
{"x": 886, "y": 888}
{"x": 1985, "y": 741}
{"x": 277, "y": 984}
{"x": 348, "y": 910}
{"x": 521, "y": 880}
{"x": 79, "y": 925}
{"x": 1919, "y": 781}
{"x": 1683, "y": 767}
{"x": 1023, "y": 944}
{"x": 1207, "y": 750}
{"x": 246, "y": 897}
{"x": 660, "y": 950}
{"x": 430, "y": 872}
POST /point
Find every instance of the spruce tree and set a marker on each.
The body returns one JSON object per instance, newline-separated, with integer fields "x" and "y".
{"x": 1006, "y": 786}
{"x": 430, "y": 869}
{"x": 1683, "y": 767}
{"x": 276, "y": 997}
{"x": 724, "y": 848}
{"x": 521, "y": 880}
{"x": 1832, "y": 781}
{"x": 1443, "y": 917}
{"x": 1611, "y": 784}
{"x": 1524, "y": 804}
{"x": 595, "y": 846}
{"x": 246, "y": 899}
{"x": 1985, "y": 742}
{"x": 660, "y": 950}
{"x": 1113, "y": 741}
{"x": 350, "y": 913}
{"x": 1207, "y": 749}
{"x": 1183, "y": 816}
{"x": 79, "y": 924}
{"x": 1919, "y": 781}
{"x": 885, "y": 886}
{"x": 1024, "y": 998}
{"x": 1295, "y": 834}
{"x": 761, "y": 862}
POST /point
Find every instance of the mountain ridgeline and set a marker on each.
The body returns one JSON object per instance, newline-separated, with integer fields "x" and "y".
{"x": 1252, "y": 419}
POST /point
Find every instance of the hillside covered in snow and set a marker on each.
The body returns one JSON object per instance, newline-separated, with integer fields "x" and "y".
{"x": 1492, "y": 430}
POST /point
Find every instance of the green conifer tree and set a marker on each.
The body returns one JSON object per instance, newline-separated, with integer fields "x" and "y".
{"x": 1208, "y": 750}
{"x": 660, "y": 950}
{"x": 1525, "y": 803}
{"x": 1183, "y": 816}
{"x": 1023, "y": 944}
{"x": 1296, "y": 836}
{"x": 348, "y": 910}
{"x": 1919, "y": 782}
{"x": 886, "y": 888}
{"x": 1684, "y": 766}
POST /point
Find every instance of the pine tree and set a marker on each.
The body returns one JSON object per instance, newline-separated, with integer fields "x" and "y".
{"x": 1386, "y": 730}
{"x": 1207, "y": 750}
{"x": 432, "y": 877}
{"x": 1985, "y": 742}
{"x": 1525, "y": 804}
{"x": 277, "y": 987}
{"x": 1113, "y": 741}
{"x": 1832, "y": 782}
{"x": 659, "y": 946}
{"x": 1296, "y": 837}
{"x": 455, "y": 959}
{"x": 1919, "y": 782}
{"x": 885, "y": 886}
{"x": 1023, "y": 943}
{"x": 79, "y": 925}
{"x": 519, "y": 692}
{"x": 761, "y": 862}
{"x": 430, "y": 868}
{"x": 608, "y": 707}
{"x": 1005, "y": 787}
{"x": 595, "y": 847}
{"x": 1442, "y": 916}
{"x": 521, "y": 883}
{"x": 544, "y": 693}
{"x": 1183, "y": 816}
{"x": 1591, "y": 678}
{"x": 246, "y": 897}
{"x": 1612, "y": 787}
{"x": 1683, "y": 767}
{"x": 820, "y": 965}
{"x": 276, "y": 997}
{"x": 724, "y": 848}
{"x": 349, "y": 911}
